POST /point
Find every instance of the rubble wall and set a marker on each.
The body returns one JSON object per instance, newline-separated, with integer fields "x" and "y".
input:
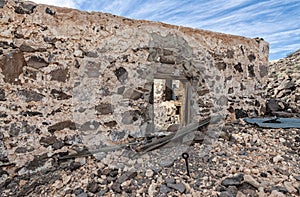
{"x": 65, "y": 72}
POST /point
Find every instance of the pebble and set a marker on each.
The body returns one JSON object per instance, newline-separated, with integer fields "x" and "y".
{"x": 261, "y": 192}
{"x": 149, "y": 173}
{"x": 164, "y": 189}
{"x": 289, "y": 186}
{"x": 240, "y": 194}
{"x": 152, "y": 189}
{"x": 236, "y": 180}
{"x": 249, "y": 179}
{"x": 177, "y": 186}
{"x": 277, "y": 159}
{"x": 276, "y": 194}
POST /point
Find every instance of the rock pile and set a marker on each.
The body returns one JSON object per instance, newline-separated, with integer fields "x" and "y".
{"x": 284, "y": 86}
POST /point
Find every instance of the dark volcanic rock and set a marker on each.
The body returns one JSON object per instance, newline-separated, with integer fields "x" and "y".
{"x": 12, "y": 66}
{"x": 74, "y": 165}
{"x": 18, "y": 128}
{"x": 121, "y": 74}
{"x": 62, "y": 125}
{"x": 2, "y": 95}
{"x": 30, "y": 95}
{"x": 273, "y": 106}
{"x": 59, "y": 95}
{"x": 49, "y": 11}
{"x": 116, "y": 187}
{"x": 111, "y": 124}
{"x": 240, "y": 113}
{"x": 279, "y": 188}
{"x": 236, "y": 180}
{"x": 90, "y": 125}
{"x": 164, "y": 189}
{"x": 32, "y": 113}
{"x": 25, "y": 8}
{"x": 238, "y": 67}
{"x": 60, "y": 75}
{"x": 38, "y": 161}
{"x": 117, "y": 135}
{"x": 48, "y": 141}
{"x": 24, "y": 149}
{"x": 226, "y": 194}
{"x": 126, "y": 176}
{"x": 93, "y": 187}
{"x": 178, "y": 186}
{"x": 104, "y": 108}
{"x": 37, "y": 62}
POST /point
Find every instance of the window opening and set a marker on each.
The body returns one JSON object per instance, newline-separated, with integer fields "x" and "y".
{"x": 171, "y": 103}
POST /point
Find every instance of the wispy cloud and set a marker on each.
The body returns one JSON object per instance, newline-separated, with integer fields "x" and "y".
{"x": 276, "y": 21}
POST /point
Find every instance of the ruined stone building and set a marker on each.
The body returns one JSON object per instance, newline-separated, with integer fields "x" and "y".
{"x": 66, "y": 73}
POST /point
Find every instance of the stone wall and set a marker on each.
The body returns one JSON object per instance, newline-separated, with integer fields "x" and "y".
{"x": 67, "y": 76}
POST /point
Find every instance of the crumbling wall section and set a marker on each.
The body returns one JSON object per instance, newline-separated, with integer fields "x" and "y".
{"x": 67, "y": 76}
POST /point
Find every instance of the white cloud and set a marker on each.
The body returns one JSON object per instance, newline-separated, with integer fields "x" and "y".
{"x": 60, "y": 3}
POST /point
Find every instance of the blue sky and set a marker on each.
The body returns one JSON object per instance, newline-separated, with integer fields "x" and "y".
{"x": 277, "y": 21}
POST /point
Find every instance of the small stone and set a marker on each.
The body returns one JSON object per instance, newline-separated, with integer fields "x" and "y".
{"x": 236, "y": 180}
{"x": 255, "y": 171}
{"x": 289, "y": 186}
{"x": 59, "y": 95}
{"x": 62, "y": 125}
{"x": 49, "y": 11}
{"x": 263, "y": 174}
{"x": 261, "y": 192}
{"x": 240, "y": 113}
{"x": 48, "y": 140}
{"x": 149, "y": 173}
{"x": 83, "y": 194}
{"x": 133, "y": 94}
{"x": 12, "y": 66}
{"x": 60, "y": 75}
{"x": 164, "y": 189}
{"x": 279, "y": 189}
{"x": 104, "y": 108}
{"x": 24, "y": 149}
{"x": 37, "y": 62}
{"x": 25, "y": 8}
{"x": 177, "y": 186}
{"x": 170, "y": 180}
{"x": 93, "y": 187}
{"x": 249, "y": 179}
{"x": 130, "y": 116}
{"x": 226, "y": 194}
{"x": 126, "y": 176}
{"x": 78, "y": 191}
{"x": 122, "y": 74}
{"x": 232, "y": 189}
{"x": 2, "y": 3}
{"x": 2, "y": 95}
{"x": 240, "y": 194}
{"x": 276, "y": 194}
{"x": 74, "y": 165}
{"x": 102, "y": 192}
{"x": 152, "y": 189}
{"x": 116, "y": 187}
{"x": 277, "y": 159}
{"x": 297, "y": 178}
{"x": 30, "y": 95}
{"x": 167, "y": 162}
